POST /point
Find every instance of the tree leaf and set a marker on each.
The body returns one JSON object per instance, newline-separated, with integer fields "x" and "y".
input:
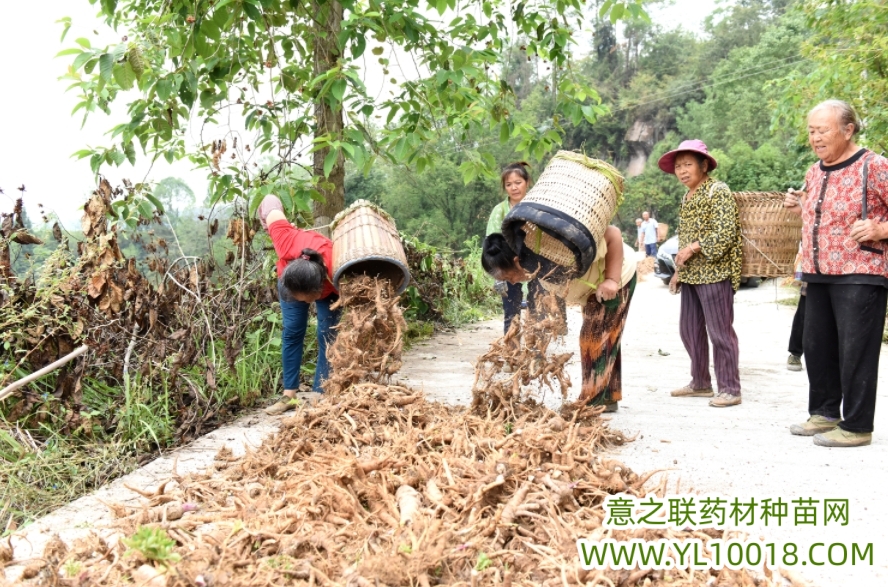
{"x": 124, "y": 75}
{"x": 129, "y": 149}
{"x": 252, "y": 11}
{"x": 338, "y": 89}
{"x": 81, "y": 59}
{"x": 106, "y": 66}
{"x": 164, "y": 88}
{"x": 156, "y": 202}
{"x": 330, "y": 161}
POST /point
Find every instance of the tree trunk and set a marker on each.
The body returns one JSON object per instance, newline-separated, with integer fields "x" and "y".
{"x": 328, "y": 23}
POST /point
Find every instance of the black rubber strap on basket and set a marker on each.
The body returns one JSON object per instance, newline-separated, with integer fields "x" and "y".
{"x": 863, "y": 207}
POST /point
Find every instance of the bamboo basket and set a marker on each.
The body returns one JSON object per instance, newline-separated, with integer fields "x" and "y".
{"x": 365, "y": 241}
{"x": 662, "y": 231}
{"x": 564, "y": 215}
{"x": 771, "y": 234}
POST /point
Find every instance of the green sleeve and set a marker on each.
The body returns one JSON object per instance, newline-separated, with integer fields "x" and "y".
{"x": 722, "y": 234}
{"x": 497, "y": 215}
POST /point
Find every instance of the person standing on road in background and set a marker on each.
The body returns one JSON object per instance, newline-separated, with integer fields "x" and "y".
{"x": 639, "y": 240}
{"x": 709, "y": 262}
{"x": 649, "y": 234}
{"x": 515, "y": 180}
{"x": 844, "y": 210}
{"x": 305, "y": 276}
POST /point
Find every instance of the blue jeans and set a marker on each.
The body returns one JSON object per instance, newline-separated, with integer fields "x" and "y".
{"x": 650, "y": 250}
{"x": 293, "y": 337}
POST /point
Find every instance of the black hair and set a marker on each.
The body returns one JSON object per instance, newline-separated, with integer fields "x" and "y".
{"x": 305, "y": 274}
{"x": 701, "y": 158}
{"x": 496, "y": 254}
{"x": 520, "y": 168}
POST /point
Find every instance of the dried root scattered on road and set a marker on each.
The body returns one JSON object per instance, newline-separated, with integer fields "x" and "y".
{"x": 375, "y": 486}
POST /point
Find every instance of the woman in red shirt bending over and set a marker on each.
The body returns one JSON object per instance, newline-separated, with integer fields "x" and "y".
{"x": 305, "y": 275}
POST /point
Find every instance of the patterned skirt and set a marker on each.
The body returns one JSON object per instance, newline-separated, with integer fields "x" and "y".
{"x": 600, "y": 355}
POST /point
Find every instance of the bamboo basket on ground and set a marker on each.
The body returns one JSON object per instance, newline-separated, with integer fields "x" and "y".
{"x": 562, "y": 219}
{"x": 365, "y": 241}
{"x": 771, "y": 234}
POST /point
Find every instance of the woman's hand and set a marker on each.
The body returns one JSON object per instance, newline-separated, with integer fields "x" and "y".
{"x": 867, "y": 230}
{"x": 673, "y": 284}
{"x": 607, "y": 290}
{"x": 793, "y": 201}
{"x": 685, "y": 254}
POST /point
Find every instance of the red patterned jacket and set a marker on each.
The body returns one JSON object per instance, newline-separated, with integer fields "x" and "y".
{"x": 833, "y": 204}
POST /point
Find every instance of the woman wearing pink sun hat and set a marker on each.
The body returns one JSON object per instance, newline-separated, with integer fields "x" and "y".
{"x": 709, "y": 261}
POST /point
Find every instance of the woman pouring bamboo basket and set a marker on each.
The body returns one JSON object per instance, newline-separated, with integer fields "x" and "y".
{"x": 561, "y": 233}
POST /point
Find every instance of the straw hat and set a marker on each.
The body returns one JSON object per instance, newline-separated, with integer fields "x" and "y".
{"x": 667, "y": 161}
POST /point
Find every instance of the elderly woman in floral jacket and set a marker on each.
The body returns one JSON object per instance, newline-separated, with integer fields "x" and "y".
{"x": 709, "y": 261}
{"x": 844, "y": 209}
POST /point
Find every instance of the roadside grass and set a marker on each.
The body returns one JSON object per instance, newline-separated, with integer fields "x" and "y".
{"x": 54, "y": 451}
{"x": 54, "y": 455}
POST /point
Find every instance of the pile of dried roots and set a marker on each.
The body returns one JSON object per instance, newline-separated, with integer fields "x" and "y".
{"x": 384, "y": 488}
{"x": 645, "y": 267}
{"x": 520, "y": 364}
{"x": 370, "y": 334}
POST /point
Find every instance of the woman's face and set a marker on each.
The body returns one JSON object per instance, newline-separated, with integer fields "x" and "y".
{"x": 826, "y": 135}
{"x": 307, "y": 297}
{"x": 688, "y": 170}
{"x": 515, "y": 186}
{"x": 514, "y": 275}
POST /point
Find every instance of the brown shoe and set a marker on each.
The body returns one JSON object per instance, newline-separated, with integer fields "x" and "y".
{"x": 843, "y": 438}
{"x": 284, "y": 404}
{"x": 814, "y": 425}
{"x": 688, "y": 391}
{"x": 724, "y": 400}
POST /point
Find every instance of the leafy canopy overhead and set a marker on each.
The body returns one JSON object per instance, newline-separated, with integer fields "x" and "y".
{"x": 244, "y": 76}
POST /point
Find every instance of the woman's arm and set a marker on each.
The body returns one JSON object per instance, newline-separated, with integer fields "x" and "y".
{"x": 613, "y": 265}
{"x": 270, "y": 210}
{"x": 274, "y": 216}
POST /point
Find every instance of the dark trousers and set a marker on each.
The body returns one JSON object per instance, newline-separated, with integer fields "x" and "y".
{"x": 295, "y": 315}
{"x": 515, "y": 295}
{"x": 709, "y": 308}
{"x": 650, "y": 250}
{"x": 513, "y": 298}
{"x": 796, "y": 335}
{"x": 843, "y": 339}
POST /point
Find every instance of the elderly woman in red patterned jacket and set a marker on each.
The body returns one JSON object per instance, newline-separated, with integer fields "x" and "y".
{"x": 844, "y": 209}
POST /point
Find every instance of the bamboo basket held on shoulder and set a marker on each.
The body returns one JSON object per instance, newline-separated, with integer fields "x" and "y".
{"x": 365, "y": 241}
{"x": 561, "y": 221}
{"x": 771, "y": 234}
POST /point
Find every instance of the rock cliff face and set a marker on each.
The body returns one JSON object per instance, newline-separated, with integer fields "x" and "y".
{"x": 640, "y": 138}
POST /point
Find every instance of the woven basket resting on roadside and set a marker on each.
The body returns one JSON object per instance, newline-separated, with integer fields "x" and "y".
{"x": 559, "y": 224}
{"x": 771, "y": 234}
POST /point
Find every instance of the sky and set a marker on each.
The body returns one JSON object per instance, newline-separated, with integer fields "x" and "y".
{"x": 39, "y": 134}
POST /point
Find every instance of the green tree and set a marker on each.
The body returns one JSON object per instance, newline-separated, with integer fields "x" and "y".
{"x": 175, "y": 195}
{"x": 437, "y": 206}
{"x": 291, "y": 70}
{"x": 848, "y": 46}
